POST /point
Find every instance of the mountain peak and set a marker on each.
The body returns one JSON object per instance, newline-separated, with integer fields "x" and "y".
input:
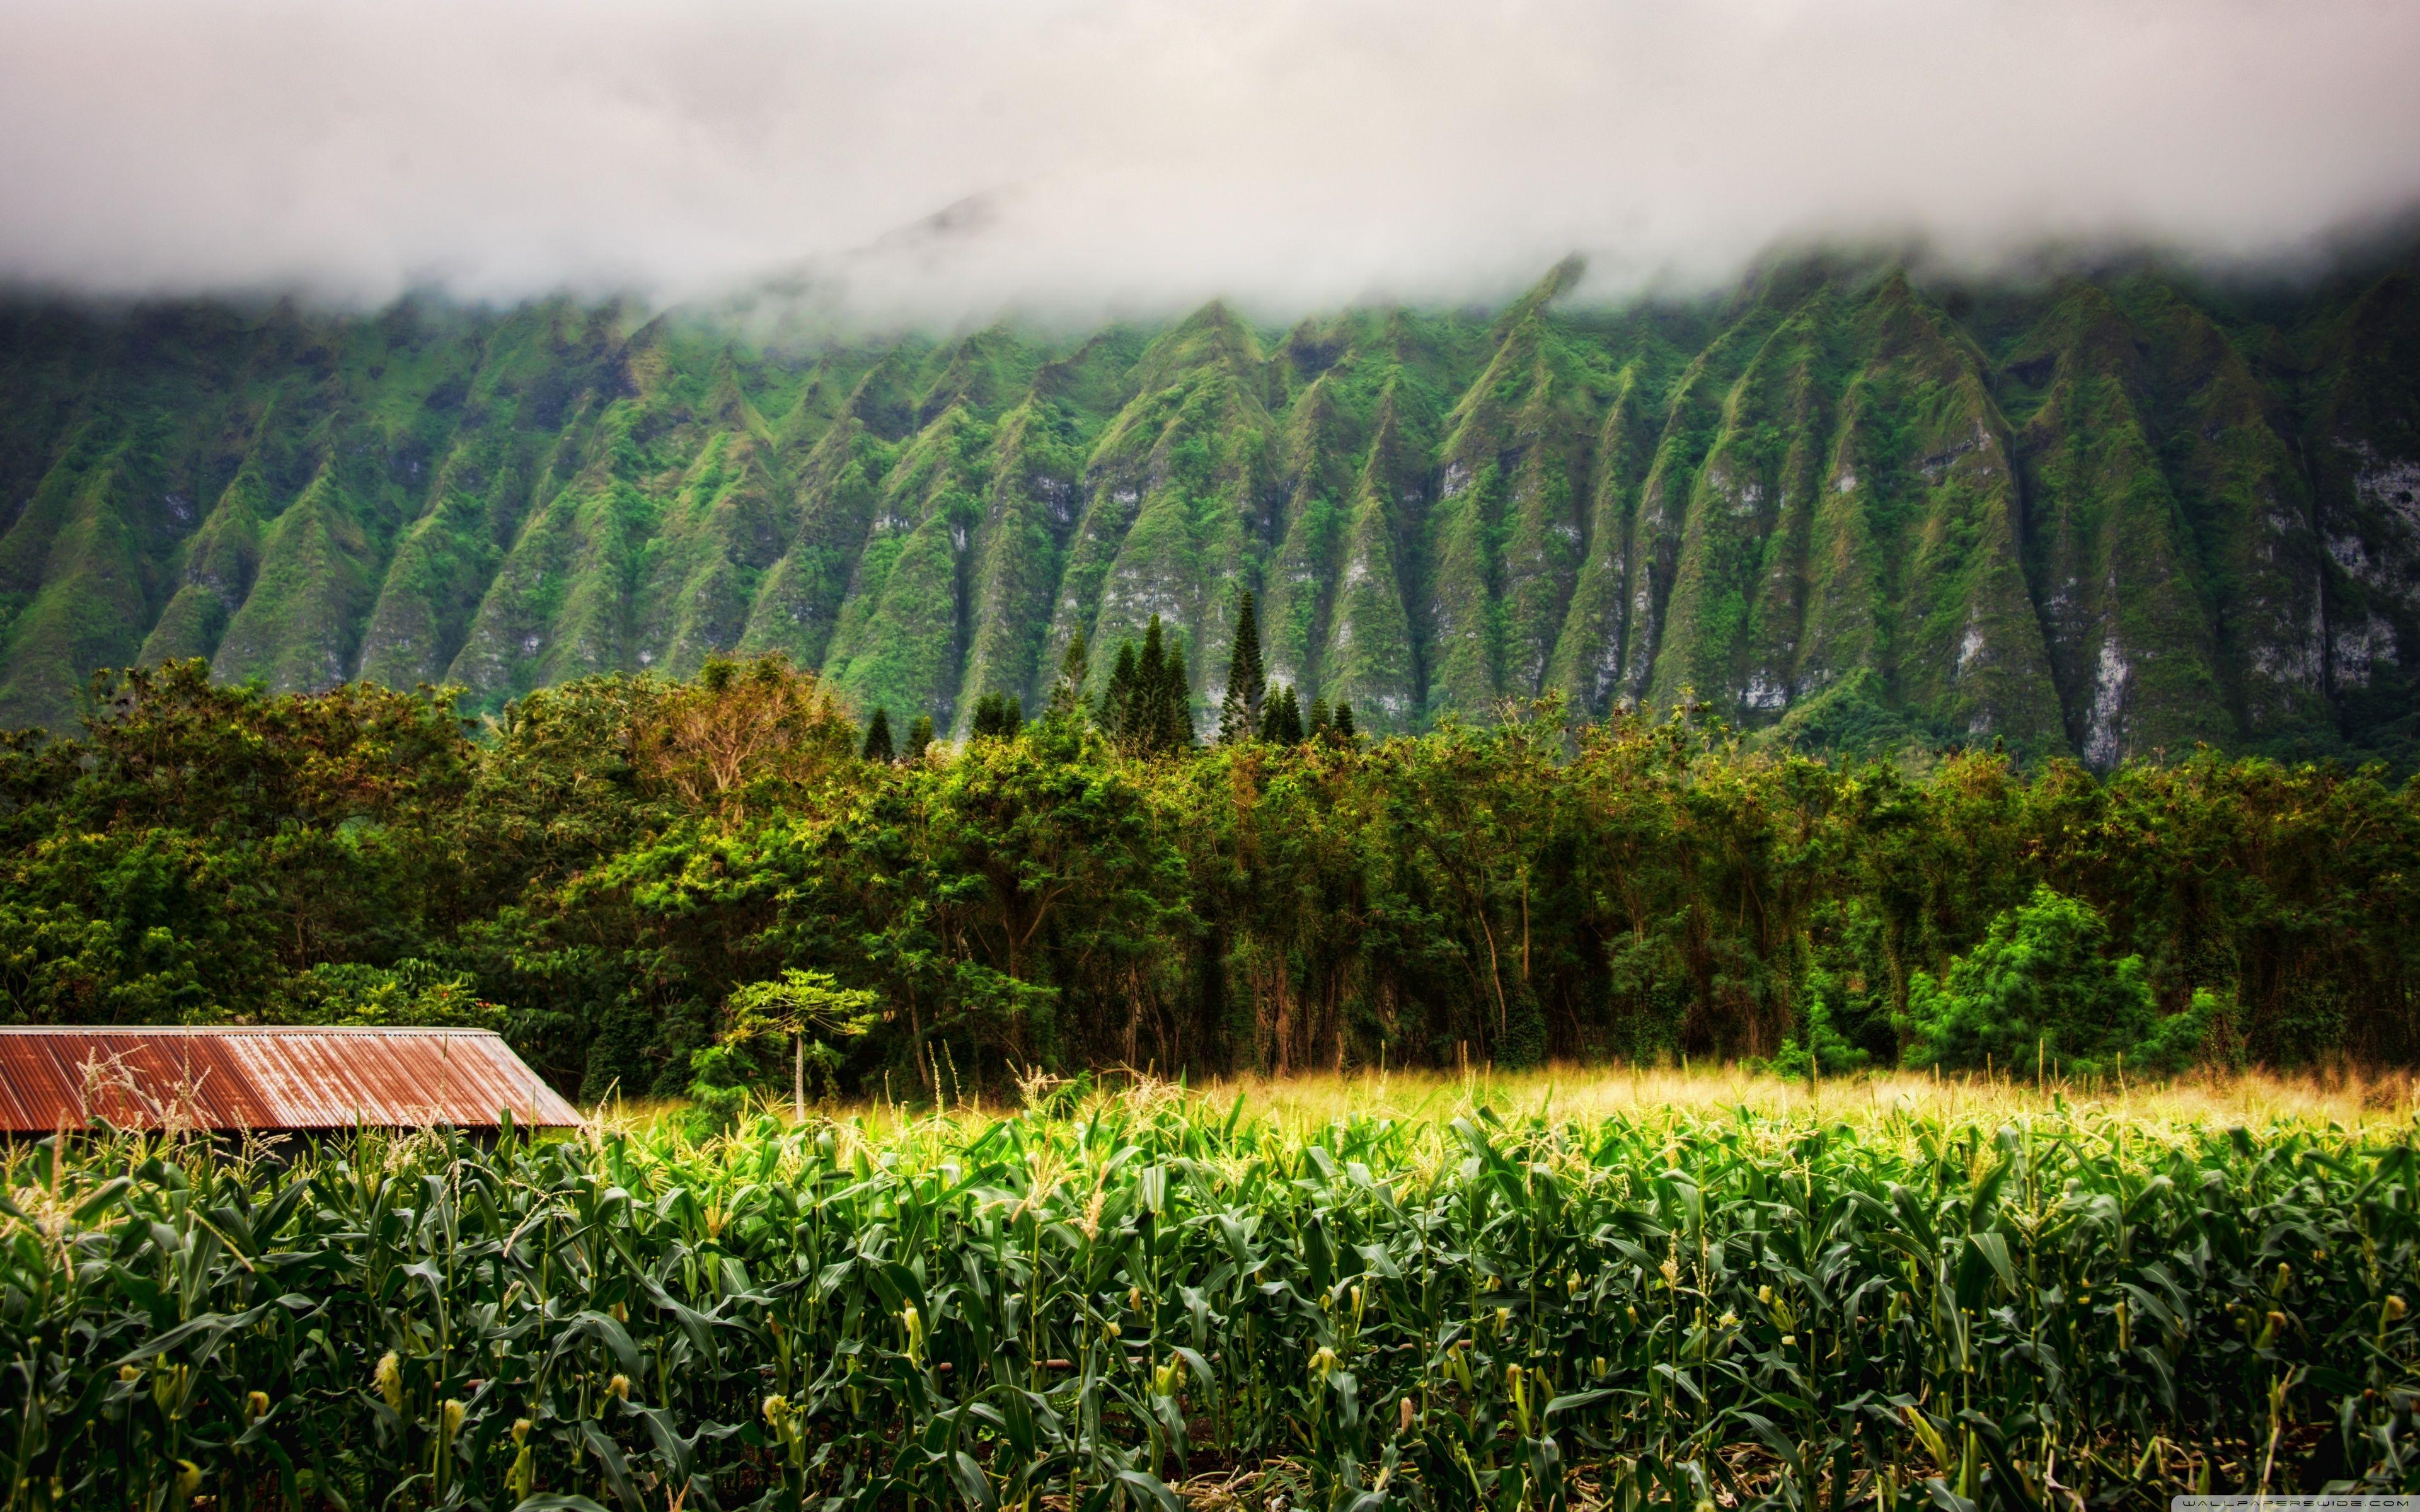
{"x": 2097, "y": 516}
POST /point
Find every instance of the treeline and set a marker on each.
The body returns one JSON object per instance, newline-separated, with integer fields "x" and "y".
{"x": 612, "y": 868}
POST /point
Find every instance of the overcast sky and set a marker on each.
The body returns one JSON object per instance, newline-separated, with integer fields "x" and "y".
{"x": 1124, "y": 155}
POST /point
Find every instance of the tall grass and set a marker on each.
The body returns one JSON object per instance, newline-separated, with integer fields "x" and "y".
{"x": 1538, "y": 1292}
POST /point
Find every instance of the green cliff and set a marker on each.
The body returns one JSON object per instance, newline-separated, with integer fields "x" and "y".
{"x": 1844, "y": 506}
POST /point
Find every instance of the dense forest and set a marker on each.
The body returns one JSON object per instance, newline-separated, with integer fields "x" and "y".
{"x": 650, "y": 884}
{"x": 1852, "y": 505}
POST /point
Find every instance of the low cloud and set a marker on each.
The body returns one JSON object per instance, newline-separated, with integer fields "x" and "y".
{"x": 943, "y": 160}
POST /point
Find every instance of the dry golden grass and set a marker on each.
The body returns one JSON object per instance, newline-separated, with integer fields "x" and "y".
{"x": 1590, "y": 1095}
{"x": 2366, "y": 1104}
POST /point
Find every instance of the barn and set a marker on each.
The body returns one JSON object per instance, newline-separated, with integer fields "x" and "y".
{"x": 268, "y": 1080}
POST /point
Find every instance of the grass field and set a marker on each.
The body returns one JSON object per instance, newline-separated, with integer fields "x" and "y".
{"x": 2350, "y": 1101}
{"x": 1565, "y": 1288}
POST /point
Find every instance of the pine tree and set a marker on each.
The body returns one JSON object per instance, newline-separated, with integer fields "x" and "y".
{"x": 1067, "y": 693}
{"x": 920, "y": 737}
{"x": 1282, "y": 720}
{"x": 1319, "y": 728}
{"x": 1139, "y": 722}
{"x": 1342, "y": 725}
{"x": 1174, "y": 723}
{"x": 1151, "y": 663}
{"x": 877, "y": 737}
{"x": 1239, "y": 712}
{"x": 1117, "y": 700}
{"x": 997, "y": 716}
{"x": 1148, "y": 706}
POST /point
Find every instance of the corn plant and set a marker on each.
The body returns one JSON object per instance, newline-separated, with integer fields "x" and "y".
{"x": 1096, "y": 1308}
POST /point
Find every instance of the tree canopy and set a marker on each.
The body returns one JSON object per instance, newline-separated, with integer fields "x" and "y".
{"x": 611, "y": 868}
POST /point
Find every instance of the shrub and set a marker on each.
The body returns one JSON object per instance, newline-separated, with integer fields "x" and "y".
{"x": 2042, "y": 989}
{"x": 1826, "y": 1051}
{"x": 410, "y": 994}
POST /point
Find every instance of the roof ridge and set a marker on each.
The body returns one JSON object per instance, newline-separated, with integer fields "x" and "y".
{"x": 453, "y": 1029}
{"x": 269, "y": 1076}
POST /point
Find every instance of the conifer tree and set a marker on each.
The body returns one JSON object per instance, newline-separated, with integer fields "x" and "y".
{"x": 1067, "y": 693}
{"x": 877, "y": 737}
{"x": 1117, "y": 700}
{"x": 1140, "y": 721}
{"x": 1172, "y": 722}
{"x": 920, "y": 737}
{"x": 1281, "y": 720}
{"x": 1342, "y": 725}
{"x": 1239, "y": 711}
{"x": 1148, "y": 708}
{"x": 997, "y": 716}
{"x": 1318, "y": 730}
{"x": 1151, "y": 663}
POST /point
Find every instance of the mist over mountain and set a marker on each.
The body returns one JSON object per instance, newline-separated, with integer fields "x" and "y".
{"x": 1131, "y": 157}
{"x": 1910, "y": 373}
{"x": 1844, "y": 506}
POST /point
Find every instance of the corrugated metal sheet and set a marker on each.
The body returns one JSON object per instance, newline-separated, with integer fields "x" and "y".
{"x": 264, "y": 1078}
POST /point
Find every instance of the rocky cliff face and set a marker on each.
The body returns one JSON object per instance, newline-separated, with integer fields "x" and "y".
{"x": 2108, "y": 516}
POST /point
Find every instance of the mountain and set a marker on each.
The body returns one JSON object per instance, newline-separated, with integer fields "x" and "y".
{"x": 1846, "y": 506}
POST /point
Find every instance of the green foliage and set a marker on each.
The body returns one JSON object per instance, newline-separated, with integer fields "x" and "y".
{"x": 1147, "y": 705}
{"x": 614, "y": 858}
{"x": 1085, "y": 1307}
{"x": 997, "y": 716}
{"x": 792, "y": 1016}
{"x": 877, "y": 746}
{"x": 410, "y": 994}
{"x": 2041, "y": 989}
{"x": 1825, "y": 503}
{"x": 1821, "y": 1051}
{"x": 1067, "y": 693}
{"x": 1239, "y": 709}
{"x": 1282, "y": 720}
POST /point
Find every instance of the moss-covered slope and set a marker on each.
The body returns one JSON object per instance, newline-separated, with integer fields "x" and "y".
{"x": 1842, "y": 507}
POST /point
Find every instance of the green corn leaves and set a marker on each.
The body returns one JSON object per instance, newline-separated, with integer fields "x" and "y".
{"x": 1097, "y": 1308}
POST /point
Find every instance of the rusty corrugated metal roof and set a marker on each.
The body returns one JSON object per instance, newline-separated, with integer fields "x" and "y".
{"x": 268, "y": 1078}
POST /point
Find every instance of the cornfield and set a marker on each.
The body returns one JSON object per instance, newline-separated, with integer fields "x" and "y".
{"x": 1145, "y": 1300}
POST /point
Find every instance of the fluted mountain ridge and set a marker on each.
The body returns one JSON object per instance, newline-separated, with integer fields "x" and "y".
{"x": 1846, "y": 506}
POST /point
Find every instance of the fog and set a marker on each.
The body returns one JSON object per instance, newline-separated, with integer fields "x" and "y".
{"x": 1127, "y": 156}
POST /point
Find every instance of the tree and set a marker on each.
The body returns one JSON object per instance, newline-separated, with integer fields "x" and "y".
{"x": 740, "y": 724}
{"x": 1149, "y": 706}
{"x": 1117, "y": 700}
{"x": 1141, "y": 722}
{"x": 1067, "y": 693}
{"x": 2041, "y": 990}
{"x": 1341, "y": 726}
{"x": 1281, "y": 720}
{"x": 920, "y": 737}
{"x": 1174, "y": 705}
{"x": 877, "y": 737}
{"x": 997, "y": 716}
{"x": 797, "y": 1004}
{"x": 1239, "y": 711}
{"x": 1319, "y": 727}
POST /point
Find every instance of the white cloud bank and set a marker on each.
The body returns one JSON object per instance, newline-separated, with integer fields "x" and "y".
{"x": 1137, "y": 154}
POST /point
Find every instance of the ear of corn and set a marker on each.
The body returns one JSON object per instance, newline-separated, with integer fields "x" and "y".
{"x": 1681, "y": 1307}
